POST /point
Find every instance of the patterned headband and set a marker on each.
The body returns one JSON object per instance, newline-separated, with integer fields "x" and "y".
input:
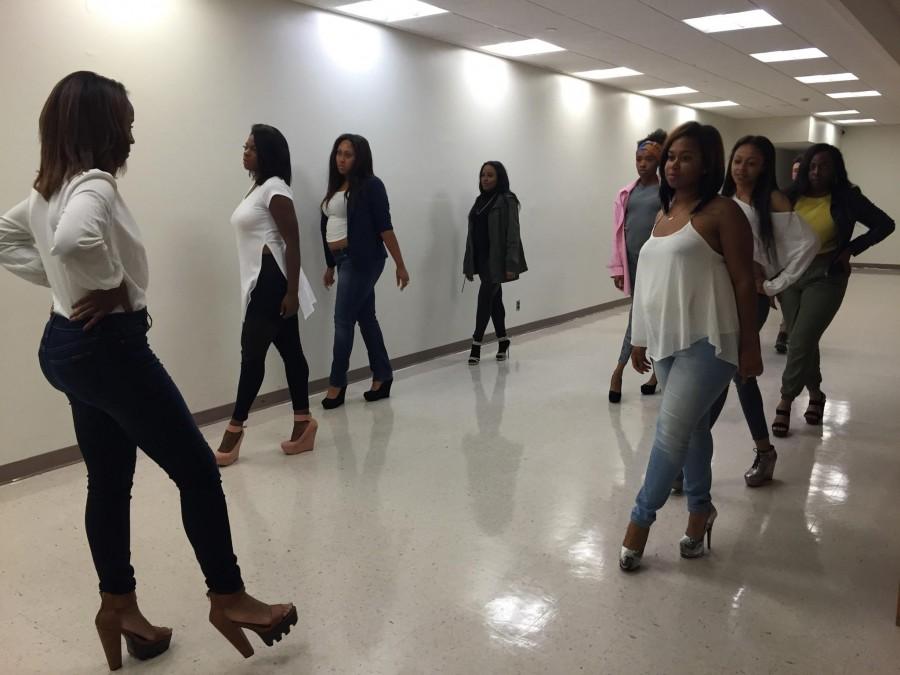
{"x": 652, "y": 147}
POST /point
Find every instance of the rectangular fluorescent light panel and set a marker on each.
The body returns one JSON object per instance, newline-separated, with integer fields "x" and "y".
{"x": 790, "y": 55}
{"x": 522, "y": 48}
{"x": 834, "y": 77}
{"x": 834, "y": 113}
{"x": 607, "y": 73}
{"x": 719, "y": 23}
{"x": 668, "y": 91}
{"x": 867, "y": 120}
{"x": 855, "y": 94}
{"x": 390, "y": 10}
{"x": 714, "y": 104}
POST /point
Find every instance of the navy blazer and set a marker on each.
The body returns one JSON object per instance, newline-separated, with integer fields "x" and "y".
{"x": 368, "y": 216}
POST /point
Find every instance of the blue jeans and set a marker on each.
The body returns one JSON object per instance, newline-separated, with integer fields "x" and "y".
{"x": 122, "y": 398}
{"x": 692, "y": 379}
{"x": 355, "y": 303}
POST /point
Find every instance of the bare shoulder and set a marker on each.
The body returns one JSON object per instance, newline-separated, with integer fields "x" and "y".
{"x": 723, "y": 208}
{"x": 780, "y": 202}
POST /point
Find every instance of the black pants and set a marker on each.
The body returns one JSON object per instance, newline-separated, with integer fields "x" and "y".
{"x": 490, "y": 307}
{"x": 263, "y": 326}
{"x": 122, "y": 398}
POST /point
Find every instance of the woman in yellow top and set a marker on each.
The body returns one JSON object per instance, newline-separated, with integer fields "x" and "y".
{"x": 826, "y": 199}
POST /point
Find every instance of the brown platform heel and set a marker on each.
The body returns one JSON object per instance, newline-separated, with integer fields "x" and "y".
{"x": 220, "y": 605}
{"x": 119, "y": 617}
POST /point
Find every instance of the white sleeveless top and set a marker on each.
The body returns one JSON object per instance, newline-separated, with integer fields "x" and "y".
{"x": 256, "y": 228}
{"x": 336, "y": 211}
{"x": 684, "y": 294}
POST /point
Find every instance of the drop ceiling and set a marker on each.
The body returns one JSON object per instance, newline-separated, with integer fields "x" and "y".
{"x": 650, "y": 36}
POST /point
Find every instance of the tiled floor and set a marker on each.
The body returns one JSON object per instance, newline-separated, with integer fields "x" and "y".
{"x": 471, "y": 525}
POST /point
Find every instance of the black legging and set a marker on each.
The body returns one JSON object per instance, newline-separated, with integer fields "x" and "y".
{"x": 490, "y": 307}
{"x": 263, "y": 326}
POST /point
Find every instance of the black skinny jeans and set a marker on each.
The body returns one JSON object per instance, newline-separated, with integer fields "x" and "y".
{"x": 264, "y": 326}
{"x": 490, "y": 307}
{"x": 121, "y": 398}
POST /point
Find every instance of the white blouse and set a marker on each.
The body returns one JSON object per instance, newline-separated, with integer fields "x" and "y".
{"x": 793, "y": 248}
{"x": 336, "y": 211}
{"x": 255, "y": 229}
{"x": 683, "y": 294}
{"x": 83, "y": 239}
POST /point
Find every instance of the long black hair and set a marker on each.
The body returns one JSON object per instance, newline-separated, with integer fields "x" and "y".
{"x": 502, "y": 178}
{"x": 712, "y": 154}
{"x": 502, "y": 187}
{"x": 273, "y": 157}
{"x": 840, "y": 182}
{"x": 766, "y": 184}
{"x": 361, "y": 169}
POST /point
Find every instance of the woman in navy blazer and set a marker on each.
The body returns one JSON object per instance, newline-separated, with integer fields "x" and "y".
{"x": 357, "y": 234}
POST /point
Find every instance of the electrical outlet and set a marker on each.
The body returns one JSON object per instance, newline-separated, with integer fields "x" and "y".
{"x": 518, "y": 305}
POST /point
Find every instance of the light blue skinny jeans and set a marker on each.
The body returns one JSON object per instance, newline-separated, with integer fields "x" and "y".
{"x": 692, "y": 379}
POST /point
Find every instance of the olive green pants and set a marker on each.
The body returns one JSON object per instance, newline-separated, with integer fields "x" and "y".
{"x": 809, "y": 305}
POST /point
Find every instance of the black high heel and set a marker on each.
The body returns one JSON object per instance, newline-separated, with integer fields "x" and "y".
{"x": 336, "y": 402}
{"x": 648, "y": 389}
{"x": 384, "y": 391}
{"x": 503, "y": 349}
{"x": 475, "y": 353}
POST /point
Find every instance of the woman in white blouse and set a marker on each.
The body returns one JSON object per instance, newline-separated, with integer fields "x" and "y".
{"x": 74, "y": 234}
{"x": 695, "y": 316}
{"x": 273, "y": 290}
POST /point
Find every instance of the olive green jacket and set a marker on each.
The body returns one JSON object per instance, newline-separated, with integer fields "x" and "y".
{"x": 506, "y": 252}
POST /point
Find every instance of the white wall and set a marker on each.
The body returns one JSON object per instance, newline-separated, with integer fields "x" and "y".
{"x": 869, "y": 153}
{"x": 202, "y": 73}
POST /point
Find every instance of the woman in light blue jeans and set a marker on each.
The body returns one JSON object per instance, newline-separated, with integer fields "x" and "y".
{"x": 694, "y": 314}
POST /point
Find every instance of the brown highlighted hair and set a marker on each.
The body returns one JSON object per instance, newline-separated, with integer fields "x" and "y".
{"x": 85, "y": 124}
{"x": 712, "y": 154}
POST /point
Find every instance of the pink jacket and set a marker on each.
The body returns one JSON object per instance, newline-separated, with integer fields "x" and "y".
{"x": 618, "y": 260}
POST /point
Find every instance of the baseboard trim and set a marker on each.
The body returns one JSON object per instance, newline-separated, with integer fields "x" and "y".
{"x": 56, "y": 459}
{"x": 888, "y": 267}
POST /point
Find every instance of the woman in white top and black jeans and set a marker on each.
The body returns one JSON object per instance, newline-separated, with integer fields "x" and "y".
{"x": 695, "y": 316}
{"x": 273, "y": 290}
{"x": 75, "y": 234}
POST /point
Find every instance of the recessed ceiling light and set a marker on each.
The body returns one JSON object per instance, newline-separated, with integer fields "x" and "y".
{"x": 719, "y": 23}
{"x": 390, "y": 10}
{"x": 668, "y": 91}
{"x": 607, "y": 73}
{"x": 833, "y": 113}
{"x": 790, "y": 55}
{"x": 855, "y": 94}
{"x": 867, "y": 120}
{"x": 522, "y": 48}
{"x": 714, "y": 104}
{"x": 834, "y": 77}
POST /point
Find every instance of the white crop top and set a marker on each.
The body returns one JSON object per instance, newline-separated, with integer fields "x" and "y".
{"x": 684, "y": 294}
{"x": 255, "y": 229}
{"x": 336, "y": 211}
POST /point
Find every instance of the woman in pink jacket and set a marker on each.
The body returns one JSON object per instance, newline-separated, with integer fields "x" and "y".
{"x": 634, "y": 213}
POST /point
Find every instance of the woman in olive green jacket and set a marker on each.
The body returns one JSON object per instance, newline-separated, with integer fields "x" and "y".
{"x": 494, "y": 252}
